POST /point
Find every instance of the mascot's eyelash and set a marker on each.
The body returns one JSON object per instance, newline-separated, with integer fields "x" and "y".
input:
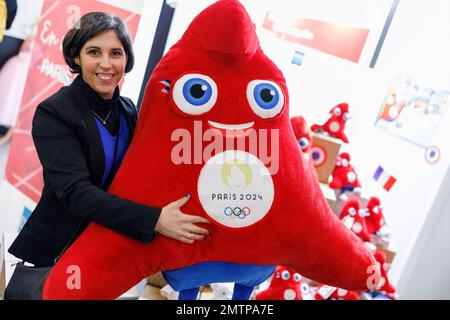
{"x": 167, "y": 84}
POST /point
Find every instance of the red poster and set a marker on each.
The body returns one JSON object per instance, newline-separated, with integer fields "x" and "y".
{"x": 338, "y": 40}
{"x": 47, "y": 74}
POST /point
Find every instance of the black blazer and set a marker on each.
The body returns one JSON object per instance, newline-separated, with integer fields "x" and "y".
{"x": 70, "y": 149}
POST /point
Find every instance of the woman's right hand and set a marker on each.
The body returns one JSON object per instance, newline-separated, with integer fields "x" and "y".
{"x": 175, "y": 224}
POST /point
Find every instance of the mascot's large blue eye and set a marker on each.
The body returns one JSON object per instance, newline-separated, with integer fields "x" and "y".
{"x": 265, "y": 98}
{"x": 197, "y": 91}
{"x": 266, "y": 95}
{"x": 194, "y": 93}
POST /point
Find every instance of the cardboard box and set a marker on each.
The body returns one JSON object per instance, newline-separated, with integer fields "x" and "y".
{"x": 324, "y": 152}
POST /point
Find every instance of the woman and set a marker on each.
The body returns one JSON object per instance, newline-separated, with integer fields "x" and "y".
{"x": 81, "y": 134}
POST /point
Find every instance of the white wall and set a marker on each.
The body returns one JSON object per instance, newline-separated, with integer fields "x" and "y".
{"x": 426, "y": 275}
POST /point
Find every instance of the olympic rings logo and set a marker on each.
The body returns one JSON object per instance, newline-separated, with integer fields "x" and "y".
{"x": 237, "y": 212}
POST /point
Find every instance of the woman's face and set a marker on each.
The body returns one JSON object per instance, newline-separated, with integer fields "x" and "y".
{"x": 102, "y": 60}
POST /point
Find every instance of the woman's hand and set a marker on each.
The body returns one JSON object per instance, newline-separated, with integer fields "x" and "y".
{"x": 175, "y": 224}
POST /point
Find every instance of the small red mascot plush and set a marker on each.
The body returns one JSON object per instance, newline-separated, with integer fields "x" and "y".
{"x": 384, "y": 285}
{"x": 304, "y": 137}
{"x": 344, "y": 176}
{"x": 285, "y": 285}
{"x": 335, "y": 125}
{"x": 353, "y": 217}
{"x": 302, "y": 133}
{"x": 375, "y": 218}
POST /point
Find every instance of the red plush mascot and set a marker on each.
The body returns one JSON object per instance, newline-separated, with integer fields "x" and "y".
{"x": 384, "y": 285}
{"x": 344, "y": 176}
{"x": 353, "y": 218}
{"x": 264, "y": 207}
{"x": 335, "y": 125}
{"x": 375, "y": 218}
{"x": 304, "y": 137}
{"x": 285, "y": 285}
{"x": 302, "y": 133}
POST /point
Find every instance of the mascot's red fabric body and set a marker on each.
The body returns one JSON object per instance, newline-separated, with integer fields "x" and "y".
{"x": 335, "y": 125}
{"x": 219, "y": 79}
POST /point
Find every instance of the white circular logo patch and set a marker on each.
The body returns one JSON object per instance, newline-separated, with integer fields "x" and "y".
{"x": 335, "y": 126}
{"x": 351, "y": 177}
{"x": 357, "y": 227}
{"x": 235, "y": 188}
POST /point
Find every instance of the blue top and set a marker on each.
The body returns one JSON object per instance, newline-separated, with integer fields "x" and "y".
{"x": 113, "y": 157}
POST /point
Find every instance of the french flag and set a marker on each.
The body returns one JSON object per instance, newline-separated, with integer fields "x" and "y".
{"x": 384, "y": 178}
{"x": 167, "y": 84}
